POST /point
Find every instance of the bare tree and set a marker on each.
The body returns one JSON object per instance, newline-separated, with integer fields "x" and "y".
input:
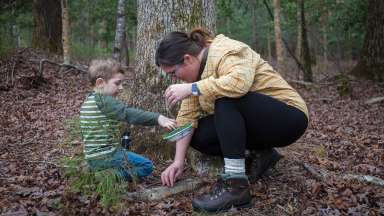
{"x": 120, "y": 31}
{"x": 65, "y": 22}
{"x": 323, "y": 21}
{"x": 278, "y": 40}
{"x": 371, "y": 62}
{"x": 48, "y": 26}
{"x": 305, "y": 46}
{"x": 299, "y": 32}
{"x": 252, "y": 4}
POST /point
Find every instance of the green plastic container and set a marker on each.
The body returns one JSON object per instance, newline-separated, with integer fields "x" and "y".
{"x": 178, "y": 133}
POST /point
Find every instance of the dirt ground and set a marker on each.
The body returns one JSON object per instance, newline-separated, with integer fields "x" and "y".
{"x": 345, "y": 136}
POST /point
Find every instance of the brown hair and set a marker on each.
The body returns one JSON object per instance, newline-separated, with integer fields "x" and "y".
{"x": 103, "y": 68}
{"x": 175, "y": 45}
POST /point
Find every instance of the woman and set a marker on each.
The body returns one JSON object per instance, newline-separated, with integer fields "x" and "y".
{"x": 235, "y": 102}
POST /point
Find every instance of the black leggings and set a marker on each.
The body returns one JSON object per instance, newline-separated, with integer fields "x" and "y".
{"x": 254, "y": 121}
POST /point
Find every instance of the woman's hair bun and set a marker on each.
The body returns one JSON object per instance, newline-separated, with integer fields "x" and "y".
{"x": 199, "y": 36}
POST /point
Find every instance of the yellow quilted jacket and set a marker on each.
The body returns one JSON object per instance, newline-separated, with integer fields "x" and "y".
{"x": 232, "y": 70}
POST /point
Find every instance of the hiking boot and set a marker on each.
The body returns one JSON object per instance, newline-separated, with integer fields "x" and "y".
{"x": 225, "y": 193}
{"x": 259, "y": 161}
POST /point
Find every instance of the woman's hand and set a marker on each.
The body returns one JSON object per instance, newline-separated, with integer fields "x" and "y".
{"x": 177, "y": 92}
{"x": 166, "y": 122}
{"x": 169, "y": 175}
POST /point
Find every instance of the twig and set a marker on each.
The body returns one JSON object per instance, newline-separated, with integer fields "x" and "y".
{"x": 323, "y": 175}
{"x": 158, "y": 193}
{"x": 314, "y": 172}
{"x": 374, "y": 100}
{"x": 282, "y": 208}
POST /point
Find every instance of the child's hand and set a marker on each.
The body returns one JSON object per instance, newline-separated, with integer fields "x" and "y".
{"x": 166, "y": 122}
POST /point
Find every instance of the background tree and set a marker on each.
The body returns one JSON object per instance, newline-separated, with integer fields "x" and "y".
{"x": 299, "y": 32}
{"x": 305, "y": 47}
{"x": 120, "y": 31}
{"x": 47, "y": 33}
{"x": 65, "y": 21}
{"x": 371, "y": 61}
{"x": 278, "y": 41}
{"x": 252, "y": 4}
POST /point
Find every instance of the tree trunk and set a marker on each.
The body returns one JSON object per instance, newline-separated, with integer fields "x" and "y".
{"x": 120, "y": 30}
{"x": 278, "y": 41}
{"x": 299, "y": 33}
{"x": 371, "y": 61}
{"x": 269, "y": 48}
{"x": 48, "y": 27}
{"x": 252, "y": 4}
{"x": 155, "y": 19}
{"x": 102, "y": 32}
{"x": 65, "y": 21}
{"x": 323, "y": 21}
{"x": 125, "y": 49}
{"x": 305, "y": 46}
{"x": 209, "y": 15}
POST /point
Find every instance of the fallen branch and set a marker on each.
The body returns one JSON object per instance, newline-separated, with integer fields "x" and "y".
{"x": 158, "y": 193}
{"x": 374, "y": 100}
{"x": 323, "y": 175}
{"x": 301, "y": 82}
{"x": 42, "y": 61}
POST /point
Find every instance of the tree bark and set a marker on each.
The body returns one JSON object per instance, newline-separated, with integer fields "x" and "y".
{"x": 306, "y": 53}
{"x": 65, "y": 21}
{"x": 48, "y": 27}
{"x": 120, "y": 31}
{"x": 371, "y": 61}
{"x": 103, "y": 43}
{"x": 252, "y": 4}
{"x": 299, "y": 32}
{"x": 209, "y": 15}
{"x": 125, "y": 49}
{"x": 278, "y": 40}
{"x": 323, "y": 21}
{"x": 269, "y": 48}
{"x": 155, "y": 19}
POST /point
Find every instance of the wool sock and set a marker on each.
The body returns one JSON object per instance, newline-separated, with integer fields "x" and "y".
{"x": 235, "y": 167}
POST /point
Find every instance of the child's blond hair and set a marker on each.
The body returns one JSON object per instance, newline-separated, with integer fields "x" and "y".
{"x": 103, "y": 68}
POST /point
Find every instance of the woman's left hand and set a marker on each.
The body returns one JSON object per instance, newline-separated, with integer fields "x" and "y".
{"x": 177, "y": 92}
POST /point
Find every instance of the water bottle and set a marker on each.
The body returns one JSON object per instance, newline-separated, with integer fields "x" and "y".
{"x": 125, "y": 140}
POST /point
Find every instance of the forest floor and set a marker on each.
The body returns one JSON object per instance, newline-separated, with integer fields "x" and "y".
{"x": 345, "y": 136}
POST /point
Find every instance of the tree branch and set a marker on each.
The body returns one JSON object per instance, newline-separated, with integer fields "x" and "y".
{"x": 158, "y": 193}
{"x": 323, "y": 175}
{"x": 374, "y": 100}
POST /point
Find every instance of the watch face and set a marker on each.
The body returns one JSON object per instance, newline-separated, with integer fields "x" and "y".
{"x": 195, "y": 91}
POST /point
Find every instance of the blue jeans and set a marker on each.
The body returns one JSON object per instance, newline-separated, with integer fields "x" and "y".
{"x": 138, "y": 166}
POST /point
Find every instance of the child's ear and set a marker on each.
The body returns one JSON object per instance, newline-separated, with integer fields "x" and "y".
{"x": 99, "y": 82}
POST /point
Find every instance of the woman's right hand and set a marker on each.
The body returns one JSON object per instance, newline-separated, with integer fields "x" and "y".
{"x": 173, "y": 171}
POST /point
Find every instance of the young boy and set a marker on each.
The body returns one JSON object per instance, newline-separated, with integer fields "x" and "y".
{"x": 100, "y": 118}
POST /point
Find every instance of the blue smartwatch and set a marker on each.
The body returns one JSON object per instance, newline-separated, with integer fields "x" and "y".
{"x": 195, "y": 90}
